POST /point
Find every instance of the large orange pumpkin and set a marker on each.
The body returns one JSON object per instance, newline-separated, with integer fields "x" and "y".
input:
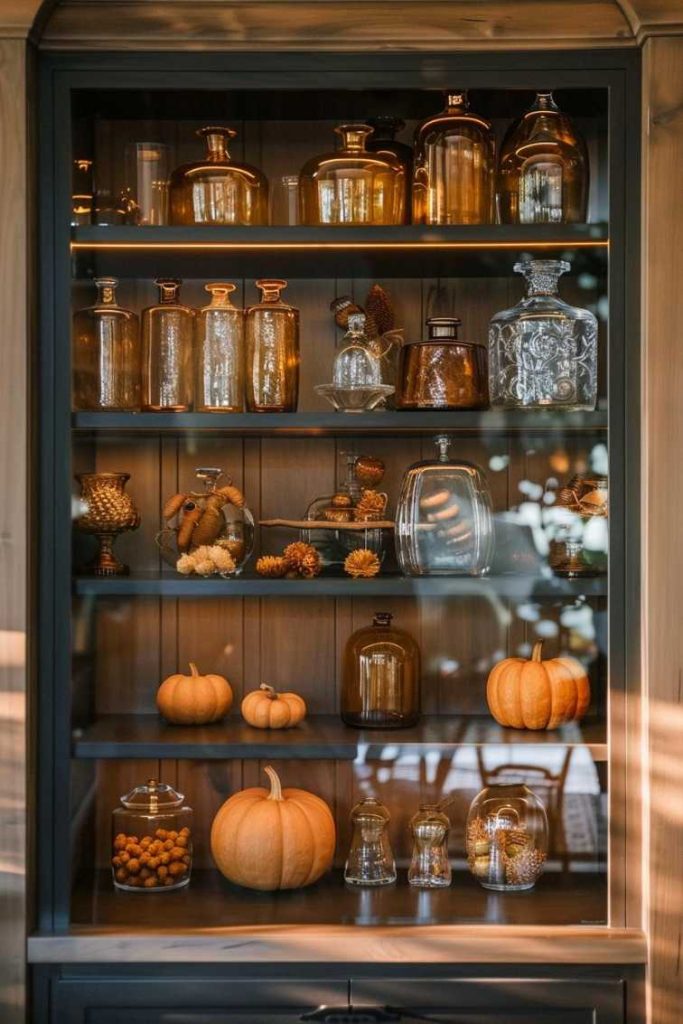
{"x": 536, "y": 694}
{"x": 194, "y": 699}
{"x": 282, "y": 839}
{"x": 266, "y": 709}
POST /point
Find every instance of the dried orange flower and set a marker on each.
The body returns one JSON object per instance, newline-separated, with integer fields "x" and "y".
{"x": 362, "y": 563}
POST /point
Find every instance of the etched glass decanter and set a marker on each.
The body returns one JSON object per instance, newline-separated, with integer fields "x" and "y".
{"x": 543, "y": 352}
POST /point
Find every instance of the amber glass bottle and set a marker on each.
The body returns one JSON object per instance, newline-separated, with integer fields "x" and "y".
{"x": 454, "y": 168}
{"x": 272, "y": 352}
{"x": 218, "y": 190}
{"x": 543, "y": 172}
{"x": 167, "y": 331}
{"x": 381, "y": 677}
{"x": 106, "y": 353}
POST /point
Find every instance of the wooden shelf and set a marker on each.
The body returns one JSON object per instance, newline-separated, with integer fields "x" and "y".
{"x": 170, "y": 584}
{"x": 323, "y": 424}
{"x": 320, "y": 737}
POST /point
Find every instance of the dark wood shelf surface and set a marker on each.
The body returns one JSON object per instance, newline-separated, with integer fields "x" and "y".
{"x": 321, "y": 424}
{"x": 319, "y": 737}
{"x": 212, "y": 902}
{"x": 171, "y": 584}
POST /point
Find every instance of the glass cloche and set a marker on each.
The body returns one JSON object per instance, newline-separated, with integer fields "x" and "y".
{"x": 357, "y": 373}
{"x": 444, "y": 524}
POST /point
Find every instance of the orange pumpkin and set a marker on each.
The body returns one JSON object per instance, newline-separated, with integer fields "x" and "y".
{"x": 536, "y": 694}
{"x": 266, "y": 709}
{"x": 282, "y": 839}
{"x": 194, "y": 699}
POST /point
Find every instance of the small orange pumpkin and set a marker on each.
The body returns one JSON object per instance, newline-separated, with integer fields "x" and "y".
{"x": 266, "y": 709}
{"x": 536, "y": 694}
{"x": 194, "y": 699}
{"x": 282, "y": 839}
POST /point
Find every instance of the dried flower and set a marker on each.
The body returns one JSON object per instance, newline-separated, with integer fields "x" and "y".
{"x": 271, "y": 565}
{"x": 222, "y": 559}
{"x": 362, "y": 563}
{"x": 302, "y": 559}
{"x": 185, "y": 564}
{"x": 206, "y": 568}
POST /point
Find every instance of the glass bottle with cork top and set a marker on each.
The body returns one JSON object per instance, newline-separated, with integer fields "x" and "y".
{"x": 219, "y": 353}
{"x": 106, "y": 353}
{"x": 167, "y": 331}
{"x": 272, "y": 351}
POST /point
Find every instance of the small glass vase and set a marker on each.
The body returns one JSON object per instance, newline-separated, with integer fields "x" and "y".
{"x": 106, "y": 353}
{"x": 370, "y": 861}
{"x": 167, "y": 332}
{"x": 430, "y": 867}
{"x": 352, "y": 185}
{"x": 543, "y": 173}
{"x": 381, "y": 677}
{"x": 107, "y": 512}
{"x": 507, "y": 837}
{"x": 543, "y": 353}
{"x": 272, "y": 351}
{"x": 219, "y": 353}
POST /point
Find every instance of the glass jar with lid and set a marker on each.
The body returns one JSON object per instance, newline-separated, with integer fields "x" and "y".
{"x": 219, "y": 353}
{"x": 430, "y": 867}
{"x": 370, "y": 860}
{"x": 106, "y": 353}
{"x": 167, "y": 333}
{"x": 442, "y": 372}
{"x": 381, "y": 677}
{"x": 152, "y": 839}
{"x": 357, "y": 372}
{"x": 543, "y": 172}
{"x": 218, "y": 189}
{"x": 272, "y": 351}
{"x": 352, "y": 185}
{"x": 444, "y": 523}
{"x": 543, "y": 353}
{"x": 507, "y": 837}
{"x": 454, "y": 166}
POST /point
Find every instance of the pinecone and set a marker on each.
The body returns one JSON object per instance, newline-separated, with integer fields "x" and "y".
{"x": 362, "y": 563}
{"x": 370, "y": 505}
{"x": 271, "y": 565}
{"x": 302, "y": 559}
{"x": 379, "y": 308}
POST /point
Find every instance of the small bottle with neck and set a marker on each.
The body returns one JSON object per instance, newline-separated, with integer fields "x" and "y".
{"x": 219, "y": 353}
{"x": 167, "y": 330}
{"x": 106, "y": 353}
{"x": 272, "y": 351}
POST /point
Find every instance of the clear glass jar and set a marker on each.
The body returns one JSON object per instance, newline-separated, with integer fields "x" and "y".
{"x": 357, "y": 384}
{"x": 352, "y": 185}
{"x": 442, "y": 372}
{"x": 444, "y": 524}
{"x": 106, "y": 353}
{"x": 381, "y": 677}
{"x": 430, "y": 867}
{"x": 167, "y": 332}
{"x": 543, "y": 171}
{"x": 383, "y": 140}
{"x": 152, "y": 839}
{"x": 218, "y": 190}
{"x": 272, "y": 351}
{"x": 454, "y": 169}
{"x": 507, "y": 837}
{"x": 370, "y": 860}
{"x": 219, "y": 353}
{"x": 543, "y": 353}
{"x": 146, "y": 191}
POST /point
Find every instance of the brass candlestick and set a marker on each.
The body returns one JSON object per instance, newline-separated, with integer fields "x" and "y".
{"x": 108, "y": 512}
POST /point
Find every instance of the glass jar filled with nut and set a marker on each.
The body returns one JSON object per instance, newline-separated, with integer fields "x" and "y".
{"x": 152, "y": 839}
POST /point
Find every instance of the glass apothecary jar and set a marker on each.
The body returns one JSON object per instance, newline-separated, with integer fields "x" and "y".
{"x": 442, "y": 372}
{"x": 106, "y": 353}
{"x": 381, "y": 677}
{"x": 370, "y": 860}
{"x": 543, "y": 172}
{"x": 430, "y": 867}
{"x": 444, "y": 524}
{"x": 352, "y": 185}
{"x": 272, "y": 351}
{"x": 219, "y": 353}
{"x": 167, "y": 334}
{"x": 507, "y": 837}
{"x": 383, "y": 140}
{"x": 152, "y": 839}
{"x": 218, "y": 190}
{"x": 543, "y": 353}
{"x": 454, "y": 167}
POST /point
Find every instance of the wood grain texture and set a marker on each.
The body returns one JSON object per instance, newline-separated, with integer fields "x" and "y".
{"x": 663, "y": 550}
{"x": 653, "y": 17}
{"x": 22, "y": 18}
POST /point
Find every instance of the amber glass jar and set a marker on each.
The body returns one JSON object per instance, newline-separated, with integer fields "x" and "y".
{"x": 454, "y": 169}
{"x": 543, "y": 171}
{"x": 218, "y": 190}
{"x": 167, "y": 330}
{"x": 442, "y": 372}
{"x": 381, "y": 677}
{"x": 272, "y": 352}
{"x": 383, "y": 140}
{"x": 219, "y": 353}
{"x": 352, "y": 185}
{"x": 106, "y": 353}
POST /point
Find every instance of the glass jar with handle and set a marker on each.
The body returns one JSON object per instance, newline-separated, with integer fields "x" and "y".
{"x": 167, "y": 334}
{"x": 272, "y": 351}
{"x": 219, "y": 353}
{"x": 106, "y": 353}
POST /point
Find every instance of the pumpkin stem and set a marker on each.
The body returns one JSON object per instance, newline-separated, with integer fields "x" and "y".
{"x": 269, "y": 691}
{"x": 537, "y": 651}
{"x": 275, "y": 784}
{"x": 193, "y": 669}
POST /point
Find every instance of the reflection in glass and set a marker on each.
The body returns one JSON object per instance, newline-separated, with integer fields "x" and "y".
{"x": 146, "y": 189}
{"x": 383, "y": 140}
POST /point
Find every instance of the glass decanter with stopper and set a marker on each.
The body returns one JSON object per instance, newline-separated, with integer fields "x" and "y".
{"x": 381, "y": 677}
{"x": 357, "y": 372}
{"x": 507, "y": 837}
{"x": 272, "y": 351}
{"x": 430, "y": 867}
{"x": 454, "y": 167}
{"x": 167, "y": 332}
{"x": 219, "y": 353}
{"x": 152, "y": 839}
{"x": 218, "y": 189}
{"x": 543, "y": 173}
{"x": 370, "y": 860}
{"x": 352, "y": 185}
{"x": 444, "y": 524}
{"x": 543, "y": 352}
{"x": 383, "y": 140}
{"x": 106, "y": 353}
